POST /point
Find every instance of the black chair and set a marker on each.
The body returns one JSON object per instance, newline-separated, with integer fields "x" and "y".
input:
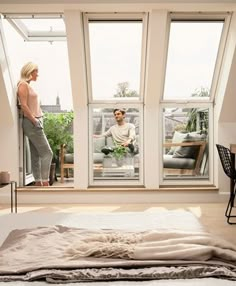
{"x": 226, "y": 158}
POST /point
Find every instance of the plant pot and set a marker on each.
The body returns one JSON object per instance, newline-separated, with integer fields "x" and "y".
{"x": 52, "y": 174}
{"x": 120, "y": 162}
{"x": 107, "y": 162}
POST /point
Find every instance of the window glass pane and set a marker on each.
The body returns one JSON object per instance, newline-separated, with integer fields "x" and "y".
{"x": 185, "y": 148}
{"x": 115, "y": 55}
{"x": 192, "y": 53}
{"x": 46, "y": 25}
{"x": 109, "y": 162}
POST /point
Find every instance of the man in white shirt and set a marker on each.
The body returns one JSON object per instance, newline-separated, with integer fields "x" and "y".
{"x": 122, "y": 133}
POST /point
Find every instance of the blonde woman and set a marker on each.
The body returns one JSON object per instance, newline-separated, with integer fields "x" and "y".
{"x": 41, "y": 153}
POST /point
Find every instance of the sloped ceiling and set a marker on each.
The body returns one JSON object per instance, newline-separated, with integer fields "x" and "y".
{"x": 228, "y": 110}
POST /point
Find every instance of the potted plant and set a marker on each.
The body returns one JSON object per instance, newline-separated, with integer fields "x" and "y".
{"x": 107, "y": 159}
{"x": 119, "y": 153}
{"x": 58, "y": 129}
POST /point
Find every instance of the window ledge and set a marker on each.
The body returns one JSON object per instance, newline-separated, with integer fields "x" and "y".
{"x": 118, "y": 189}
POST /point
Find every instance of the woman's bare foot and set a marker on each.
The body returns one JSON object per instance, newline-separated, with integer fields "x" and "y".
{"x": 45, "y": 184}
{"x": 38, "y": 183}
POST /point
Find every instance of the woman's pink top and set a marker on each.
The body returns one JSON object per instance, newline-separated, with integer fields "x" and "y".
{"x": 33, "y": 101}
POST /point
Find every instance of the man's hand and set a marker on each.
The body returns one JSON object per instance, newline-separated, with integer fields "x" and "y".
{"x": 129, "y": 145}
{"x": 126, "y": 144}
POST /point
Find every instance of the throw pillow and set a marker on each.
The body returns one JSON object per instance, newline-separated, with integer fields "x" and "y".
{"x": 189, "y": 151}
{"x": 98, "y": 143}
{"x": 177, "y": 138}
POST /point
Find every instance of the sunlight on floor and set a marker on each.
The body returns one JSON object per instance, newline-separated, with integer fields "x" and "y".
{"x": 196, "y": 211}
{"x": 155, "y": 209}
{"x": 49, "y": 208}
{"x": 88, "y": 209}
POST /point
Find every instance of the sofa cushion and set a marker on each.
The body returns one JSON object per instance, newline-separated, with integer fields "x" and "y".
{"x": 189, "y": 151}
{"x": 109, "y": 141}
{"x": 98, "y": 158}
{"x": 69, "y": 158}
{"x": 177, "y": 138}
{"x": 98, "y": 143}
{"x": 178, "y": 163}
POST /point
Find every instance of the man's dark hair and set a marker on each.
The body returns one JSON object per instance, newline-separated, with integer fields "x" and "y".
{"x": 118, "y": 109}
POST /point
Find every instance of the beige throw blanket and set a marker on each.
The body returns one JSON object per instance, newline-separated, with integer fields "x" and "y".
{"x": 150, "y": 245}
{"x": 70, "y": 254}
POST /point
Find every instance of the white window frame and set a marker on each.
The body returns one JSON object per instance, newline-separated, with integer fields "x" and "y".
{"x": 105, "y": 182}
{"x": 15, "y": 20}
{"x": 116, "y": 17}
{"x": 188, "y": 181}
{"x": 115, "y": 103}
{"x": 200, "y": 17}
{"x": 196, "y": 102}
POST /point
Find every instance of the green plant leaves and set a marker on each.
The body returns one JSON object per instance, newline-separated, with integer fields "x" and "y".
{"x": 58, "y": 128}
{"x": 119, "y": 151}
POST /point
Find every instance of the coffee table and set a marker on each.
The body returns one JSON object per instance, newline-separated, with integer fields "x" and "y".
{"x": 115, "y": 171}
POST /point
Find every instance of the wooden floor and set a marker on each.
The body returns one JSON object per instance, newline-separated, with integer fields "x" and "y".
{"x": 210, "y": 215}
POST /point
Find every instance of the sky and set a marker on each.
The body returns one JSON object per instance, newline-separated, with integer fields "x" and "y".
{"x": 191, "y": 57}
{"x": 115, "y": 55}
{"x": 115, "y": 51}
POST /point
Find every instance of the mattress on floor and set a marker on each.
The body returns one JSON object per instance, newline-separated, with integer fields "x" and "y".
{"x": 114, "y": 227}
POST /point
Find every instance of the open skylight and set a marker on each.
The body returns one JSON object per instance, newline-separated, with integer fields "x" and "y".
{"x": 37, "y": 27}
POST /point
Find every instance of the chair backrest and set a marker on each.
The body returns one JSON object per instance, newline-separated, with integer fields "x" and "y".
{"x": 226, "y": 161}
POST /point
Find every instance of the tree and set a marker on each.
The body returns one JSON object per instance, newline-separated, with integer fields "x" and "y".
{"x": 198, "y": 119}
{"x": 124, "y": 91}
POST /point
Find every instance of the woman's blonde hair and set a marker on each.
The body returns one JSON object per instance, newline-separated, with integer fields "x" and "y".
{"x": 26, "y": 71}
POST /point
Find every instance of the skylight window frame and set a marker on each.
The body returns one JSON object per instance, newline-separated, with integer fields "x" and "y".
{"x": 28, "y": 35}
{"x": 200, "y": 16}
{"x": 115, "y": 17}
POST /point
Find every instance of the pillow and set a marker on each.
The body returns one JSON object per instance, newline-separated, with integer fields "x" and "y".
{"x": 69, "y": 158}
{"x": 98, "y": 143}
{"x": 189, "y": 151}
{"x": 109, "y": 141}
{"x": 177, "y": 138}
{"x": 197, "y": 136}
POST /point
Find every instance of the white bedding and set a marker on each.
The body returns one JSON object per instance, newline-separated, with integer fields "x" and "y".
{"x": 163, "y": 219}
{"x": 176, "y": 220}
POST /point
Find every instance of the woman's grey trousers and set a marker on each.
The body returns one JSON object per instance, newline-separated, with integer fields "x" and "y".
{"x": 41, "y": 153}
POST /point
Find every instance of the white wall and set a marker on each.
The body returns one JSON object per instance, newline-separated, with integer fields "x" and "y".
{"x": 227, "y": 135}
{"x": 79, "y": 93}
{"x": 155, "y": 67}
{"x": 9, "y": 155}
{"x": 225, "y": 102}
